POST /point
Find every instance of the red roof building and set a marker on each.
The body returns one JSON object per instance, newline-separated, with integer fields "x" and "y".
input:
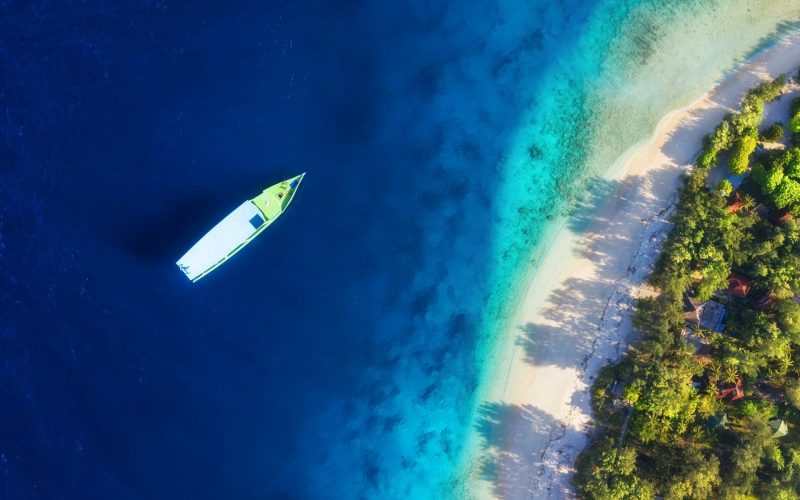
{"x": 735, "y": 203}
{"x": 738, "y": 285}
{"x": 780, "y": 216}
{"x": 766, "y": 302}
{"x": 731, "y": 392}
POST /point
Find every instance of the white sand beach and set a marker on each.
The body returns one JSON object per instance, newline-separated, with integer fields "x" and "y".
{"x": 575, "y": 316}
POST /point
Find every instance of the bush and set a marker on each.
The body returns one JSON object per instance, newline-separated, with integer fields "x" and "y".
{"x": 773, "y": 133}
{"x": 707, "y": 158}
{"x": 759, "y": 174}
{"x": 762, "y": 409}
{"x": 724, "y": 187}
{"x": 787, "y": 193}
{"x": 772, "y": 180}
{"x": 794, "y": 107}
{"x": 767, "y": 91}
{"x": 722, "y": 138}
{"x": 749, "y": 118}
{"x": 793, "y": 393}
{"x": 790, "y": 161}
{"x": 740, "y": 156}
{"x": 794, "y": 123}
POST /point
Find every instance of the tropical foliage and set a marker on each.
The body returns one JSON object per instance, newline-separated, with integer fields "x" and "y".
{"x": 740, "y": 130}
{"x": 674, "y": 431}
{"x": 779, "y": 179}
{"x": 773, "y": 133}
{"x": 794, "y": 123}
{"x": 740, "y": 155}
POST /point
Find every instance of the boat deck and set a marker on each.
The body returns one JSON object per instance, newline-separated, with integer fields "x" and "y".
{"x": 274, "y": 200}
{"x": 222, "y": 241}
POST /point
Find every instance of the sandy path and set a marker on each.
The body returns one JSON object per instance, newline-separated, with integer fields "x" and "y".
{"x": 576, "y": 313}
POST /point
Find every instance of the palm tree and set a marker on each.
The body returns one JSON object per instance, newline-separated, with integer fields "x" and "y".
{"x": 714, "y": 371}
{"x": 730, "y": 373}
{"x": 747, "y": 201}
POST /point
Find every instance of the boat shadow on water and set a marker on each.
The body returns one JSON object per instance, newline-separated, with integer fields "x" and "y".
{"x": 164, "y": 234}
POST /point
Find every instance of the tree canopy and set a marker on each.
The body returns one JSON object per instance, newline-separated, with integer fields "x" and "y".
{"x": 740, "y": 155}
{"x": 695, "y": 424}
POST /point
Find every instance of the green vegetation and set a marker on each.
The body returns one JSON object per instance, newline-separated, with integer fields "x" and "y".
{"x": 773, "y": 133}
{"x": 734, "y": 129}
{"x": 691, "y": 412}
{"x": 794, "y": 123}
{"x": 740, "y": 155}
{"x": 724, "y": 187}
{"x": 780, "y": 179}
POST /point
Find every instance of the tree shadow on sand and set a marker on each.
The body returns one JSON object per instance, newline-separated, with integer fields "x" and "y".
{"x": 615, "y": 214}
{"x": 572, "y": 320}
{"x": 513, "y": 438}
{"x": 616, "y": 236}
{"x": 620, "y": 227}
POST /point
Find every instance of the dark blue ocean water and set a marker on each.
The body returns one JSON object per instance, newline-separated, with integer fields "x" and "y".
{"x": 127, "y": 132}
{"x": 338, "y": 355}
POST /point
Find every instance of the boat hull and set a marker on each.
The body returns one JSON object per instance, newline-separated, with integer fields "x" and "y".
{"x": 237, "y": 229}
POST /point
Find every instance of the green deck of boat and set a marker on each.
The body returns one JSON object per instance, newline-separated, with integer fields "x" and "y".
{"x": 274, "y": 200}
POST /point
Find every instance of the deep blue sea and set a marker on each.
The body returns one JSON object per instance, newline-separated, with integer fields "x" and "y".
{"x": 340, "y": 354}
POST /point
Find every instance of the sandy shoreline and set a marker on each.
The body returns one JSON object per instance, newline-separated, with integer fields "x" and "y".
{"x": 576, "y": 312}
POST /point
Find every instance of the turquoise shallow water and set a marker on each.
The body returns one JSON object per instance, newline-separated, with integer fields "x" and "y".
{"x": 344, "y": 354}
{"x": 547, "y": 96}
{"x": 513, "y": 107}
